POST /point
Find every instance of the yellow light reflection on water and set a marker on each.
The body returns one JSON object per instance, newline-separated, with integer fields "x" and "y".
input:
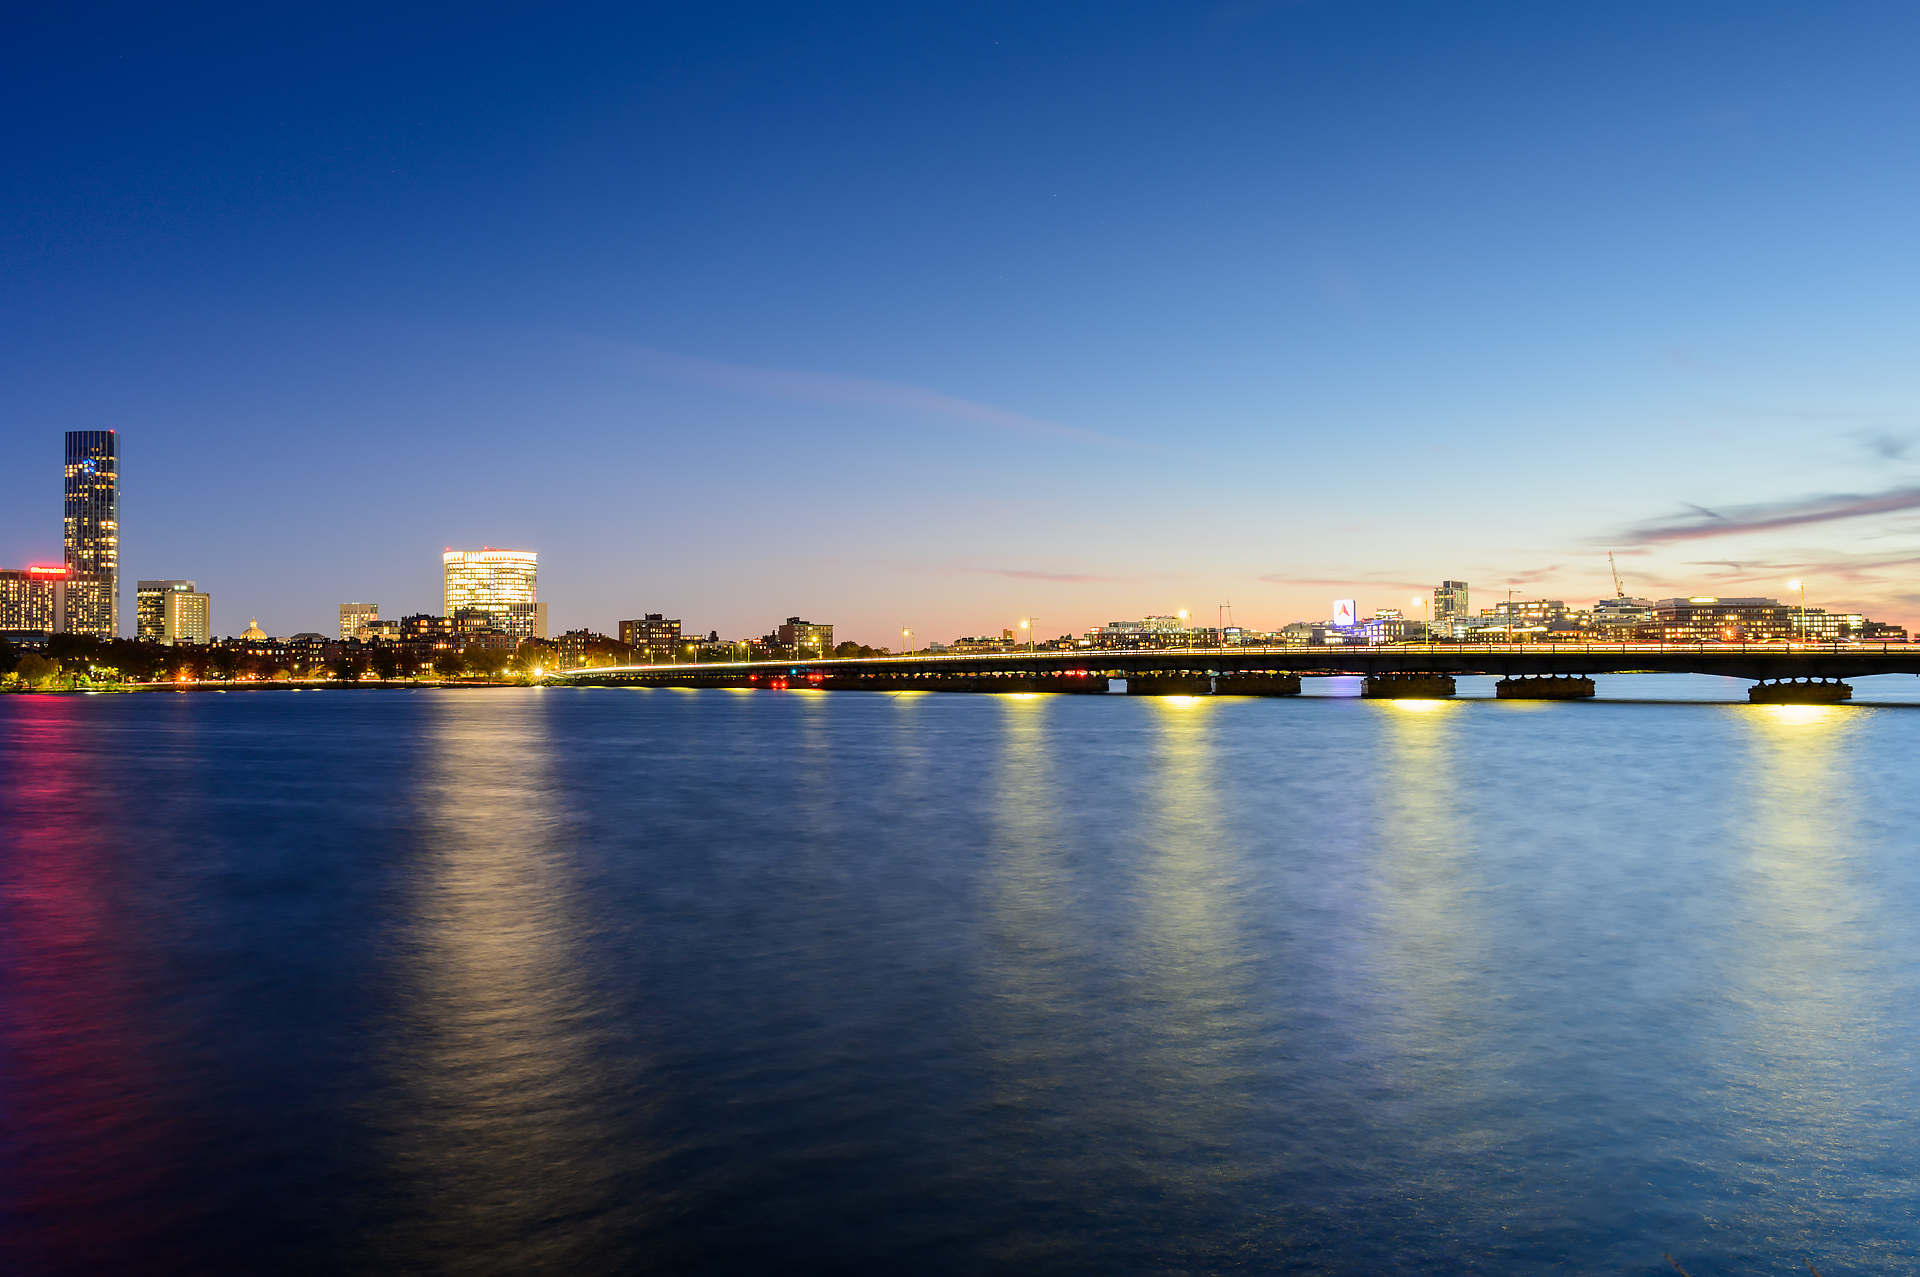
{"x": 1801, "y": 715}
{"x": 1193, "y": 963}
{"x": 1427, "y": 897}
{"x": 496, "y": 1097}
{"x": 1806, "y": 969}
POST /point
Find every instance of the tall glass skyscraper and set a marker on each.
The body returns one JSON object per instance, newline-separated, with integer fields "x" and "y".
{"x": 498, "y": 583}
{"x": 93, "y": 532}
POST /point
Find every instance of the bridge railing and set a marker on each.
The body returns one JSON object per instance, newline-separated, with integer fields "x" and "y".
{"x": 1835, "y": 647}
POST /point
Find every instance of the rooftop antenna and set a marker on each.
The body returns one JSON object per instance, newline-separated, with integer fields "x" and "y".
{"x": 1619, "y": 591}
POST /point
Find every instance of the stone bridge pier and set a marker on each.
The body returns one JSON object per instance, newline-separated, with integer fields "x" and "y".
{"x": 1256, "y": 683}
{"x": 1799, "y": 691}
{"x": 1412, "y": 685}
{"x": 1169, "y": 684}
{"x": 1546, "y": 687}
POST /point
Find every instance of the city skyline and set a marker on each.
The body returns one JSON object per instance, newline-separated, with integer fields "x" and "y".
{"x": 496, "y": 589}
{"x": 949, "y": 318}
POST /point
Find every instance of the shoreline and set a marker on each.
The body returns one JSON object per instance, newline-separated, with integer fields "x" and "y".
{"x": 263, "y": 685}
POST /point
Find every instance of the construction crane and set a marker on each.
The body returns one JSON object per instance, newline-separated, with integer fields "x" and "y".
{"x": 1619, "y": 591}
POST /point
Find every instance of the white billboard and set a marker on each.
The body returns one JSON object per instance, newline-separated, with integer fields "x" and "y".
{"x": 1346, "y": 613}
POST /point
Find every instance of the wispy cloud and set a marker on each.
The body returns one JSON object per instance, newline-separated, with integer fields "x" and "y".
{"x": 1035, "y": 574}
{"x": 1736, "y": 520}
{"x": 1365, "y": 580}
{"x": 799, "y": 386}
{"x": 1887, "y": 445}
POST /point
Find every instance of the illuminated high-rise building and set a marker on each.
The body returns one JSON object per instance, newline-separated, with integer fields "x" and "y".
{"x": 150, "y": 607}
{"x": 188, "y": 619}
{"x": 93, "y": 532}
{"x": 1450, "y": 605}
{"x": 356, "y": 616}
{"x": 172, "y": 612}
{"x": 33, "y": 600}
{"x": 499, "y": 583}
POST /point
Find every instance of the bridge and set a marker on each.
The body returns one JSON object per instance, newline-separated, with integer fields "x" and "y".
{"x": 1780, "y": 672}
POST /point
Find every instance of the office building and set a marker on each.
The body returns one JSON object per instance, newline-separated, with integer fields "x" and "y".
{"x": 1450, "y": 605}
{"x": 1817, "y": 625}
{"x": 33, "y": 600}
{"x": 652, "y": 636}
{"x": 355, "y": 616}
{"x": 1704, "y": 619}
{"x": 171, "y": 612}
{"x": 500, "y": 583}
{"x": 93, "y": 532}
{"x": 1621, "y": 617}
{"x": 527, "y": 620}
{"x": 186, "y": 618}
{"x": 1708, "y": 619}
{"x": 150, "y": 607}
{"x": 1388, "y": 629}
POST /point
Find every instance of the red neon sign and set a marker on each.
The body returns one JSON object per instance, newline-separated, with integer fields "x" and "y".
{"x": 42, "y": 571}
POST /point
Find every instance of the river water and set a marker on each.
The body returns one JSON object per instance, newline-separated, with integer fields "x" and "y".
{"x": 528, "y": 981}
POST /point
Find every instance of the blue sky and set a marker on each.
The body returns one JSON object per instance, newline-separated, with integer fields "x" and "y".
{"x": 946, "y": 315}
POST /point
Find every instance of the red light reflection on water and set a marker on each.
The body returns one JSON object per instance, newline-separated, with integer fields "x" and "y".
{"x": 80, "y": 1148}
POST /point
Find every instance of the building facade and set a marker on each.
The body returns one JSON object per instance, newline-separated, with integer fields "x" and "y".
{"x": 582, "y": 649}
{"x": 186, "y": 617}
{"x": 1450, "y": 605}
{"x": 652, "y": 636}
{"x": 1389, "y": 629}
{"x": 33, "y": 600}
{"x": 1621, "y": 618}
{"x": 501, "y": 583}
{"x": 974, "y": 644}
{"x": 804, "y": 636}
{"x": 355, "y": 616}
{"x": 92, "y": 533}
{"x": 1703, "y": 619}
{"x": 150, "y": 608}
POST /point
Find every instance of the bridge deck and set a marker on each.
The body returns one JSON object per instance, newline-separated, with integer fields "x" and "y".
{"x": 1753, "y": 661}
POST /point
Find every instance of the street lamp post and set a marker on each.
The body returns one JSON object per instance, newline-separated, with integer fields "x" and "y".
{"x": 906, "y": 643}
{"x": 1800, "y": 618}
{"x": 1032, "y": 626}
